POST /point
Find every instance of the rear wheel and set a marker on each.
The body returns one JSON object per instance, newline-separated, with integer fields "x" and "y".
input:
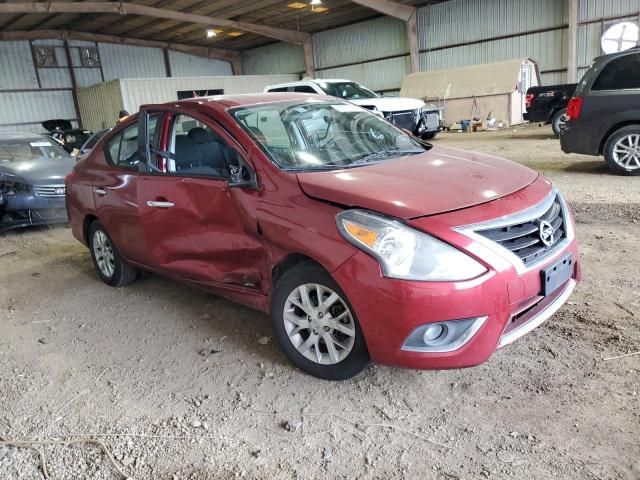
{"x": 622, "y": 151}
{"x": 559, "y": 122}
{"x": 315, "y": 325}
{"x": 111, "y": 267}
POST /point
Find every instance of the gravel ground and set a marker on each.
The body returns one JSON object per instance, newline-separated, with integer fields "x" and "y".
{"x": 180, "y": 384}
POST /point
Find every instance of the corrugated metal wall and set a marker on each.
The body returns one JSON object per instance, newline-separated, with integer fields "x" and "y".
{"x": 184, "y": 65}
{"x": 123, "y": 61}
{"x": 595, "y": 16}
{"x": 377, "y": 54}
{"x": 100, "y": 105}
{"x": 598, "y": 9}
{"x": 29, "y": 96}
{"x": 468, "y": 32}
{"x": 452, "y": 34}
{"x": 276, "y": 58}
{"x": 462, "y": 21}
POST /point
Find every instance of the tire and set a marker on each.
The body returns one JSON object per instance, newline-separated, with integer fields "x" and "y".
{"x": 306, "y": 342}
{"x": 109, "y": 265}
{"x": 625, "y": 141}
{"x": 429, "y": 136}
{"x": 559, "y": 121}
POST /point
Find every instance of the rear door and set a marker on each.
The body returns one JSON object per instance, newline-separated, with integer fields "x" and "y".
{"x": 195, "y": 225}
{"x": 614, "y": 95}
{"x": 115, "y": 190}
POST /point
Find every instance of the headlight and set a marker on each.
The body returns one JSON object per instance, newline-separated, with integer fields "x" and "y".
{"x": 10, "y": 185}
{"x": 404, "y": 252}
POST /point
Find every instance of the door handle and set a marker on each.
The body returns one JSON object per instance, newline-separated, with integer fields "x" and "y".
{"x": 100, "y": 191}
{"x": 164, "y": 204}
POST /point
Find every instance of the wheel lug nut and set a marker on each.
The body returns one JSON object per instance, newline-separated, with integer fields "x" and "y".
{"x": 326, "y": 329}
{"x": 320, "y": 315}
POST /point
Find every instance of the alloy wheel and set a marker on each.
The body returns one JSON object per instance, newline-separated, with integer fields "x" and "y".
{"x": 103, "y": 252}
{"x": 562, "y": 122}
{"x": 626, "y": 152}
{"x": 319, "y": 324}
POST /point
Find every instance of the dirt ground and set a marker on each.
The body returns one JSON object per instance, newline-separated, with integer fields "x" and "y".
{"x": 180, "y": 384}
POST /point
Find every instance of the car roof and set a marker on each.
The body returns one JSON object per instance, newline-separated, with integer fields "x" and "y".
{"x": 20, "y": 136}
{"x": 250, "y": 99}
{"x": 617, "y": 54}
{"x": 311, "y": 80}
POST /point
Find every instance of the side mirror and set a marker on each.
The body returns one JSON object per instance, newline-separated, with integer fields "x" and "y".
{"x": 242, "y": 177}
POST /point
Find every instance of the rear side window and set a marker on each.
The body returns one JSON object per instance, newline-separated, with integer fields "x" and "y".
{"x": 123, "y": 147}
{"x": 304, "y": 89}
{"x": 620, "y": 74}
{"x": 279, "y": 89}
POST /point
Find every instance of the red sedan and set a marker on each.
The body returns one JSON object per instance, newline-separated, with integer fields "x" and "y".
{"x": 362, "y": 243}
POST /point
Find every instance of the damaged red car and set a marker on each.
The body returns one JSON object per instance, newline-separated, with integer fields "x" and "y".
{"x": 363, "y": 243}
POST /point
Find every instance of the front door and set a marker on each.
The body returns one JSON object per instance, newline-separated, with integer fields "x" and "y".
{"x": 195, "y": 225}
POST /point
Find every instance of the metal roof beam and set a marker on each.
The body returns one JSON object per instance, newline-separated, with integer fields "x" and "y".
{"x": 124, "y": 8}
{"x": 391, "y": 9}
{"x": 207, "y": 52}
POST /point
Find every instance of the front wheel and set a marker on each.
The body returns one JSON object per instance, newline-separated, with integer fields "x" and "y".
{"x": 316, "y": 326}
{"x": 622, "y": 151}
{"x": 111, "y": 267}
{"x": 559, "y": 122}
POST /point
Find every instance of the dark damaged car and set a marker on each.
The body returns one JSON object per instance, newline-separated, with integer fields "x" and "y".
{"x": 32, "y": 172}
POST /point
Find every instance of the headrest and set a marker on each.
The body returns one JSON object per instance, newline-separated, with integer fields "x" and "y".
{"x": 199, "y": 135}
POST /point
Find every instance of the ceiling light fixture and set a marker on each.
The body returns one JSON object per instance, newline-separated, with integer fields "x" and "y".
{"x": 211, "y": 33}
{"x": 315, "y": 2}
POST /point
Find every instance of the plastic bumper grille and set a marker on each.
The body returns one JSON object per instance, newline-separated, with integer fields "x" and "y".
{"x": 531, "y": 241}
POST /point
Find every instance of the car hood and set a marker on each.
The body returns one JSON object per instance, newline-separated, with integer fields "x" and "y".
{"x": 389, "y": 104}
{"x": 40, "y": 172}
{"x": 440, "y": 180}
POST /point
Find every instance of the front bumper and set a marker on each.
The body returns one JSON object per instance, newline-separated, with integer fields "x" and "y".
{"x": 417, "y": 122}
{"x": 27, "y": 209}
{"x": 390, "y": 310}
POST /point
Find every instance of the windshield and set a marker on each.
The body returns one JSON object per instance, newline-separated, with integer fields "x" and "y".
{"x": 30, "y": 149}
{"x": 323, "y": 135}
{"x": 347, "y": 90}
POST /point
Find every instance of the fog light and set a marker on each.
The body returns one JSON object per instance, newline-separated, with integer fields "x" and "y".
{"x": 444, "y": 336}
{"x": 433, "y": 332}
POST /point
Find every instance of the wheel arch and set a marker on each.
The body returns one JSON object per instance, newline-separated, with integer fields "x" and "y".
{"x": 288, "y": 262}
{"x": 86, "y": 226}
{"x": 614, "y": 129}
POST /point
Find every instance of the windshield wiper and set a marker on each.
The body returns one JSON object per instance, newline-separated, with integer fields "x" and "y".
{"x": 382, "y": 155}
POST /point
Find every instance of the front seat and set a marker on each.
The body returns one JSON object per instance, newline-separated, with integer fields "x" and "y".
{"x": 187, "y": 153}
{"x": 210, "y": 149}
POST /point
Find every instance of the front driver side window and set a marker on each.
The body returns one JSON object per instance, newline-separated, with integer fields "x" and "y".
{"x": 198, "y": 150}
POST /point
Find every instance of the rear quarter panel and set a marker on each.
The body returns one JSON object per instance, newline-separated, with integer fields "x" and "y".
{"x": 79, "y": 198}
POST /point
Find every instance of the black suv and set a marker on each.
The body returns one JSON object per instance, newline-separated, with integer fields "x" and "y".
{"x": 603, "y": 117}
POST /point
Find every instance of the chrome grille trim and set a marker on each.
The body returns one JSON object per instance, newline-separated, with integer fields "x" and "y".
{"x": 49, "y": 191}
{"x": 526, "y": 216}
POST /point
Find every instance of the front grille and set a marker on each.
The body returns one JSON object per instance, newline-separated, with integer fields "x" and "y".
{"x": 49, "y": 191}
{"x": 432, "y": 121}
{"x": 405, "y": 119}
{"x": 526, "y": 239}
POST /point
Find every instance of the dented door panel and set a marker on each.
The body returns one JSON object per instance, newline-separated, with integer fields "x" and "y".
{"x": 208, "y": 235}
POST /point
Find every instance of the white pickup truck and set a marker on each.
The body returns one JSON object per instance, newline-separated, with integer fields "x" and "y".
{"x": 422, "y": 120}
